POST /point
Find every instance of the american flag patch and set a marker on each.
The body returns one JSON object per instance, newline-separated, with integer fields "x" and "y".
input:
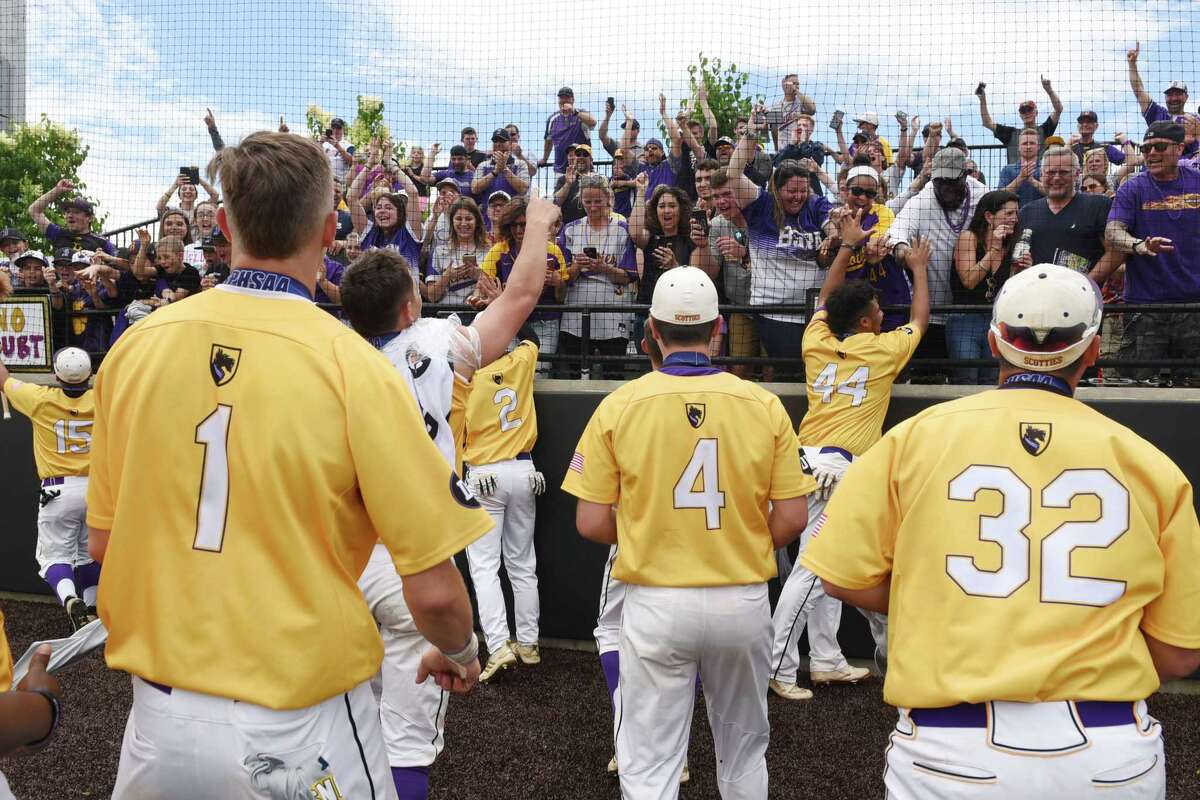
{"x": 817, "y": 526}
{"x": 576, "y": 462}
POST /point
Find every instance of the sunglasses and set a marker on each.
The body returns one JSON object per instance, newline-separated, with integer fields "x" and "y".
{"x": 1058, "y": 339}
{"x": 1158, "y": 147}
{"x": 859, "y": 191}
{"x": 1023, "y": 109}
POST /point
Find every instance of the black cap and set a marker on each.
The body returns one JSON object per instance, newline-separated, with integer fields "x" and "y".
{"x": 217, "y": 236}
{"x": 11, "y": 233}
{"x": 337, "y": 122}
{"x": 1087, "y": 115}
{"x": 1165, "y": 129}
{"x": 207, "y": 242}
{"x": 500, "y": 135}
{"x": 79, "y": 204}
{"x": 63, "y": 254}
{"x": 566, "y": 91}
{"x": 458, "y": 150}
{"x": 637, "y": 126}
{"x": 725, "y": 140}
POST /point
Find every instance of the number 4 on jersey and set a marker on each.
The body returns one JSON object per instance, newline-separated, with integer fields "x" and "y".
{"x": 702, "y": 466}
{"x": 854, "y": 386}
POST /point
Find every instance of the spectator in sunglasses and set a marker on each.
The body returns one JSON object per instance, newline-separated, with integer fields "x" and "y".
{"x": 1155, "y": 220}
{"x": 1007, "y": 135}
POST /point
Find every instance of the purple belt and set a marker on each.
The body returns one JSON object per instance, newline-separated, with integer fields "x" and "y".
{"x": 1092, "y": 713}
{"x": 53, "y": 482}
{"x": 843, "y": 453}
{"x": 524, "y": 457}
{"x": 160, "y": 686}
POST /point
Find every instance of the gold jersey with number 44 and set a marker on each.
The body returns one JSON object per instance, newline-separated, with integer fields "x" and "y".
{"x": 62, "y": 427}
{"x": 1030, "y": 540}
{"x": 501, "y": 421}
{"x": 249, "y": 451}
{"x": 691, "y": 463}
{"x": 850, "y": 383}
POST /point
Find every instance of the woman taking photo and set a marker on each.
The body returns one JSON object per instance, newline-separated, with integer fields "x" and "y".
{"x": 660, "y": 228}
{"x": 454, "y": 265}
{"x": 601, "y": 265}
{"x": 982, "y": 263}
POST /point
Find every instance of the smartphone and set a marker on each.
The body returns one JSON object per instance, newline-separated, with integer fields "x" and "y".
{"x": 774, "y": 117}
{"x": 610, "y": 103}
{"x": 192, "y": 173}
{"x": 469, "y": 261}
{"x": 329, "y": 133}
{"x": 591, "y": 253}
{"x": 739, "y": 236}
{"x": 836, "y": 120}
{"x": 979, "y": 88}
{"x": 701, "y": 219}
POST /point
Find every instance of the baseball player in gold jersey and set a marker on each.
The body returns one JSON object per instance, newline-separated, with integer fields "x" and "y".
{"x": 243, "y": 468}
{"x": 1041, "y": 567}
{"x": 501, "y": 432}
{"x": 27, "y": 721}
{"x": 852, "y": 366}
{"x": 62, "y": 435}
{"x": 704, "y": 471}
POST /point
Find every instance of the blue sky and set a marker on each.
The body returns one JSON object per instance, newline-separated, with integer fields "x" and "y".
{"x": 134, "y": 77}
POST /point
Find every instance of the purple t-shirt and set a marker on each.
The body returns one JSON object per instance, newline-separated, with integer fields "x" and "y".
{"x": 565, "y": 132}
{"x": 1171, "y": 209}
{"x": 1156, "y": 113}
{"x": 401, "y": 240}
{"x": 463, "y": 179}
{"x": 333, "y": 274}
{"x": 663, "y": 173}
{"x": 61, "y": 237}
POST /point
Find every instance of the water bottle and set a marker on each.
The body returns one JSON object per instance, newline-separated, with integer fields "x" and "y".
{"x": 1023, "y": 245}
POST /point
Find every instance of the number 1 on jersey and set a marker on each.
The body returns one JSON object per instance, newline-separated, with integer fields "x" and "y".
{"x": 703, "y": 465}
{"x": 213, "y": 434}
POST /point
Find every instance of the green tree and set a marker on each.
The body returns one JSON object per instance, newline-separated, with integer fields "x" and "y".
{"x": 32, "y": 159}
{"x": 726, "y": 92}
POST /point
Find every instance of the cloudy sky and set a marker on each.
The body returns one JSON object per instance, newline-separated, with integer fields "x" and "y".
{"x": 134, "y": 77}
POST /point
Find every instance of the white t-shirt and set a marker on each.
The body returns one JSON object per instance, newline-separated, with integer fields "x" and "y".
{"x": 336, "y": 163}
{"x": 922, "y": 215}
{"x": 614, "y": 246}
{"x": 443, "y": 258}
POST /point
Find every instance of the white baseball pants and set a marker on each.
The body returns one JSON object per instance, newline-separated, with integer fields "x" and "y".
{"x": 413, "y": 714}
{"x": 513, "y": 507}
{"x": 612, "y": 605}
{"x": 668, "y": 636}
{"x": 5, "y": 792}
{"x": 62, "y": 525}
{"x": 185, "y": 744}
{"x": 1041, "y": 751}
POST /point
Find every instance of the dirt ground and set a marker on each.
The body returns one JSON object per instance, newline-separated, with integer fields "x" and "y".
{"x": 542, "y": 732}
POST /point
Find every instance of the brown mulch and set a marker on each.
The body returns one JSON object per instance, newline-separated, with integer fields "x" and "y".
{"x": 542, "y": 732}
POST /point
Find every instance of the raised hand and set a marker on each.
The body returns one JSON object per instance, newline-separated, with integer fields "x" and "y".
{"x": 1045, "y": 83}
{"x": 209, "y": 119}
{"x": 919, "y": 253}
{"x": 850, "y": 226}
{"x": 541, "y": 210}
{"x": 1132, "y": 55}
{"x": 65, "y": 185}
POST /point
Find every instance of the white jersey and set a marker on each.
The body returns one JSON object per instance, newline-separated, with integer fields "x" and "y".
{"x": 421, "y": 353}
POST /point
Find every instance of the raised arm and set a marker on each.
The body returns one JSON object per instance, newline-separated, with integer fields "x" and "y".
{"x": 215, "y": 135}
{"x": 671, "y": 128}
{"x": 637, "y": 217}
{"x": 984, "y": 115}
{"x": 711, "y": 134}
{"x": 427, "y": 165}
{"x": 689, "y": 138}
{"x": 1135, "y": 79}
{"x": 358, "y": 214}
{"x": 1056, "y": 105}
{"x": 744, "y": 189}
{"x": 37, "y": 209}
{"x": 412, "y": 207}
{"x": 907, "y": 136}
{"x": 851, "y": 235}
{"x": 587, "y": 119}
{"x": 607, "y": 141}
{"x": 807, "y": 104}
{"x": 504, "y": 317}
{"x": 161, "y": 205}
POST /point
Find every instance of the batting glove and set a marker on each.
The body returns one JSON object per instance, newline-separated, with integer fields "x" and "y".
{"x": 826, "y": 479}
{"x": 483, "y": 483}
{"x": 537, "y": 482}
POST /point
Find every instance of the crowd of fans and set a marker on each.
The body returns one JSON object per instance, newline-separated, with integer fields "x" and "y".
{"x": 758, "y": 207}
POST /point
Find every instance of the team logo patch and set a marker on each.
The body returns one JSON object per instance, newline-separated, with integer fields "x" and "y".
{"x": 1035, "y": 437}
{"x": 498, "y": 378}
{"x": 695, "y": 414}
{"x": 461, "y": 492}
{"x": 326, "y": 789}
{"x": 418, "y": 362}
{"x": 223, "y": 363}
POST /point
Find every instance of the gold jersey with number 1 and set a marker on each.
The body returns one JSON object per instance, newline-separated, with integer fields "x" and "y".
{"x": 850, "y": 383}
{"x": 245, "y": 462}
{"x": 1029, "y": 539}
{"x": 62, "y": 427}
{"x": 692, "y": 462}
{"x": 501, "y": 419}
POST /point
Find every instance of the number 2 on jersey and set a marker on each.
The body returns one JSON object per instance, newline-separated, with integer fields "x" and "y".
{"x": 507, "y": 400}
{"x": 1059, "y": 584}
{"x": 855, "y": 386}
{"x": 213, "y": 434}
{"x": 703, "y": 465}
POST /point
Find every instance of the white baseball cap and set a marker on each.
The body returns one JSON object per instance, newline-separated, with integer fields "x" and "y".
{"x": 684, "y": 296}
{"x": 72, "y": 365}
{"x": 862, "y": 171}
{"x": 869, "y": 117}
{"x": 1045, "y": 317}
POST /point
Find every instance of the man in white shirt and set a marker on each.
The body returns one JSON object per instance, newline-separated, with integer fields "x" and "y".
{"x": 341, "y": 156}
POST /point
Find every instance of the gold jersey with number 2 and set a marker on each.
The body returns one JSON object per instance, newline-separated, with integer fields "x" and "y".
{"x": 1030, "y": 540}
{"x": 249, "y": 452}
{"x": 501, "y": 419}
{"x": 691, "y": 461}
{"x": 850, "y": 383}
{"x": 62, "y": 427}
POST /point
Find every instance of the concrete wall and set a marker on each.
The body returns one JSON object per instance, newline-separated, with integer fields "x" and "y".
{"x": 570, "y": 568}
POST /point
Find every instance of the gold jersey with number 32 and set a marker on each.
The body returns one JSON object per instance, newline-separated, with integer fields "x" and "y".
{"x": 1029, "y": 539}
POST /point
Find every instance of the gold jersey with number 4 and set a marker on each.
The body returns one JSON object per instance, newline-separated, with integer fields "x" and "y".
{"x": 501, "y": 419}
{"x": 62, "y": 427}
{"x": 850, "y": 383}
{"x": 691, "y": 463}
{"x": 1030, "y": 540}
{"x": 249, "y": 452}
